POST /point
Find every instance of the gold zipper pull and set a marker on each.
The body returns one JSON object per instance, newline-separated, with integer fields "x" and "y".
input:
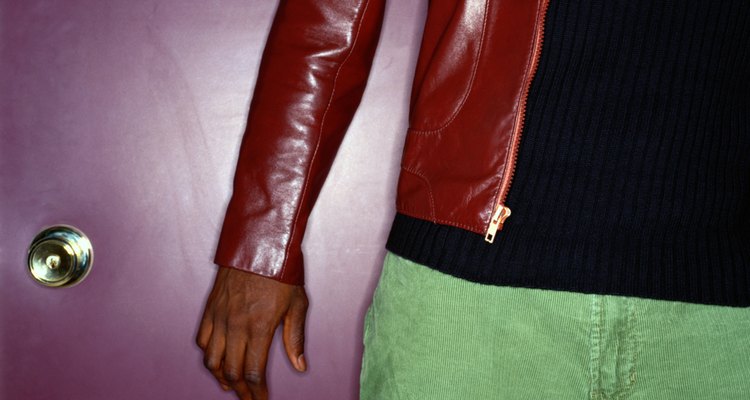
{"x": 496, "y": 224}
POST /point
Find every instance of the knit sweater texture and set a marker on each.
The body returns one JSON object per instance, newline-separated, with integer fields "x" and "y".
{"x": 633, "y": 175}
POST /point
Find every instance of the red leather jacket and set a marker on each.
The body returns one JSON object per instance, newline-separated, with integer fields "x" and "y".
{"x": 475, "y": 65}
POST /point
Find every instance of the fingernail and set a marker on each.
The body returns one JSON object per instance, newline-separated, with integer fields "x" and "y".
{"x": 301, "y": 362}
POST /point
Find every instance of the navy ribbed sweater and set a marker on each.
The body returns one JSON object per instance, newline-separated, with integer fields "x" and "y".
{"x": 633, "y": 176}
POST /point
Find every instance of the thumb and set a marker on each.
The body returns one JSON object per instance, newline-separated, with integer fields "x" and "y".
{"x": 294, "y": 333}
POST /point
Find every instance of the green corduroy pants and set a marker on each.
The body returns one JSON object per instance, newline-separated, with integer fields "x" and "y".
{"x": 432, "y": 336}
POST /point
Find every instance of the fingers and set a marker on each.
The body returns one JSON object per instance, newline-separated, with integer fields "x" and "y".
{"x": 243, "y": 391}
{"x": 294, "y": 334}
{"x": 214, "y": 353}
{"x": 203, "y": 338}
{"x": 205, "y": 330}
{"x": 234, "y": 361}
{"x": 256, "y": 357}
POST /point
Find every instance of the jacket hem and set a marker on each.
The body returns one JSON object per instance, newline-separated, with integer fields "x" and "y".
{"x": 571, "y": 264}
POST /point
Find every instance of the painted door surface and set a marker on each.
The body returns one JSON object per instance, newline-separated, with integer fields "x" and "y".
{"x": 123, "y": 118}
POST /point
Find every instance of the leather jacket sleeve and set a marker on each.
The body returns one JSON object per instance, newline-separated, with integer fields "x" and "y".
{"x": 310, "y": 82}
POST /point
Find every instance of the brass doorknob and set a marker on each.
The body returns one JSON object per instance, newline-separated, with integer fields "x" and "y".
{"x": 60, "y": 255}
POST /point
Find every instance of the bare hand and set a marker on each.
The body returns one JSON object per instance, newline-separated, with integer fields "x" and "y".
{"x": 241, "y": 316}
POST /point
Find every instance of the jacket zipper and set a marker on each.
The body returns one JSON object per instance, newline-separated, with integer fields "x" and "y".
{"x": 501, "y": 212}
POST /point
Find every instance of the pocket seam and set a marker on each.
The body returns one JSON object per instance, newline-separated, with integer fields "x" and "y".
{"x": 472, "y": 81}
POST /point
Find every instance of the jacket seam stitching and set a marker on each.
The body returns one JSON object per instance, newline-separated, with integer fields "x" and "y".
{"x": 429, "y": 189}
{"x": 475, "y": 68}
{"x": 416, "y": 214}
{"x": 320, "y": 135}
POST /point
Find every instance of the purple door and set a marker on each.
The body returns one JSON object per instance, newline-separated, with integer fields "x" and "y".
{"x": 123, "y": 119}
